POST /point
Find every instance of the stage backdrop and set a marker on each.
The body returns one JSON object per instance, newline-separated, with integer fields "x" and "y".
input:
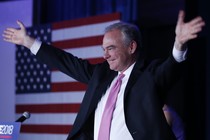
{"x": 10, "y": 12}
{"x": 53, "y": 98}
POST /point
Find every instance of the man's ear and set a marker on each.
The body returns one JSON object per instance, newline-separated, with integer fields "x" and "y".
{"x": 133, "y": 47}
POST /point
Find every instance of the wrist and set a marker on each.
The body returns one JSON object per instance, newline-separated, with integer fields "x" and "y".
{"x": 179, "y": 45}
{"x": 28, "y": 42}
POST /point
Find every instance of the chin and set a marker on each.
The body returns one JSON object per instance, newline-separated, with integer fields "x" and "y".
{"x": 113, "y": 68}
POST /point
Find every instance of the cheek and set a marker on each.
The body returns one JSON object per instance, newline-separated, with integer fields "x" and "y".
{"x": 123, "y": 56}
{"x": 119, "y": 54}
{"x": 114, "y": 54}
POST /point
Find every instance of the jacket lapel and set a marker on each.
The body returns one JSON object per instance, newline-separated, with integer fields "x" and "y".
{"x": 101, "y": 89}
{"x": 135, "y": 74}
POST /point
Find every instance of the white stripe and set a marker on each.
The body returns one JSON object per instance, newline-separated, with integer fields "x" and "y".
{"x": 50, "y": 98}
{"x": 87, "y": 52}
{"x": 58, "y": 77}
{"x": 50, "y": 118}
{"x": 80, "y": 31}
{"x": 39, "y": 136}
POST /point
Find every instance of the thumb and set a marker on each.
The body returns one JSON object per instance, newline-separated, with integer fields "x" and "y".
{"x": 181, "y": 17}
{"x": 22, "y": 26}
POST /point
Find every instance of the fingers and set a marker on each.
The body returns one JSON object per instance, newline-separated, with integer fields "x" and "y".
{"x": 196, "y": 30}
{"x": 196, "y": 25}
{"x": 198, "y": 21}
{"x": 192, "y": 36}
{"x": 10, "y": 30}
{"x": 7, "y": 39}
{"x": 7, "y": 35}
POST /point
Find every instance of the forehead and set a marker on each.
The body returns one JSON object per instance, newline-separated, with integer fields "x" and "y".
{"x": 112, "y": 37}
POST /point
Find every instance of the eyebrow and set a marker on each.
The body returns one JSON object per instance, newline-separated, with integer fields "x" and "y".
{"x": 111, "y": 46}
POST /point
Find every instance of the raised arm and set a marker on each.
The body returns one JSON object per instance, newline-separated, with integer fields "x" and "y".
{"x": 187, "y": 31}
{"x": 18, "y": 36}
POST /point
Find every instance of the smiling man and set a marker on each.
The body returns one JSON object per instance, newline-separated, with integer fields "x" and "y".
{"x": 119, "y": 51}
{"x": 124, "y": 98}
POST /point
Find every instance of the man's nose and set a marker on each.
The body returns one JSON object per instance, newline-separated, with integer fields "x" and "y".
{"x": 106, "y": 55}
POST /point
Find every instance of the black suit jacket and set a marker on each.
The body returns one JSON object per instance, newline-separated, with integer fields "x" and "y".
{"x": 143, "y": 99}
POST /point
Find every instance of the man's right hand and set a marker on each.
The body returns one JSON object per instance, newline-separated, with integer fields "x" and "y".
{"x": 18, "y": 36}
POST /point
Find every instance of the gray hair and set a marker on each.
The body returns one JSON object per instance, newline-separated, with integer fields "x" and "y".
{"x": 130, "y": 31}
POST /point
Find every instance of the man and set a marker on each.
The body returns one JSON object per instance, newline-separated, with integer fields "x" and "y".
{"x": 138, "y": 110}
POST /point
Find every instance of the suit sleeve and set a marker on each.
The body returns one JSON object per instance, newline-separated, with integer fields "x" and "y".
{"x": 167, "y": 72}
{"x": 74, "y": 67}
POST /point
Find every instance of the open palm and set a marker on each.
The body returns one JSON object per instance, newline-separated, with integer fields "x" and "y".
{"x": 187, "y": 31}
{"x": 15, "y": 36}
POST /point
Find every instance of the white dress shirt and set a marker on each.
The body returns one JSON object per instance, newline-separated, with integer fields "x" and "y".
{"x": 119, "y": 130}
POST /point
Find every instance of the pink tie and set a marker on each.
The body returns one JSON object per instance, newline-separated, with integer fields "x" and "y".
{"x": 104, "y": 130}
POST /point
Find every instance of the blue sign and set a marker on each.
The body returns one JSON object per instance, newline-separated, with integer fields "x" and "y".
{"x": 10, "y": 130}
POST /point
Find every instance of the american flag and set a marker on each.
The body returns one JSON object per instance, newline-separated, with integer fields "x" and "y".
{"x": 53, "y": 98}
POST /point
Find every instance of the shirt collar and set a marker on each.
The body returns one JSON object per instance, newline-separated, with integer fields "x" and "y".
{"x": 128, "y": 71}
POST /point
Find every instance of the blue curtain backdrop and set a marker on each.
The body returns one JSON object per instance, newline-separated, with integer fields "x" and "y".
{"x": 58, "y": 10}
{"x": 157, "y": 20}
{"x": 160, "y": 12}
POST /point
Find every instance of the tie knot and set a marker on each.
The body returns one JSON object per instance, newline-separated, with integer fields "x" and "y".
{"x": 120, "y": 77}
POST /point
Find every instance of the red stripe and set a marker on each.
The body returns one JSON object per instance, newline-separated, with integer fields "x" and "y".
{"x": 52, "y": 129}
{"x": 79, "y": 42}
{"x": 96, "y": 60}
{"x": 48, "y": 108}
{"x": 68, "y": 86}
{"x": 86, "y": 21}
